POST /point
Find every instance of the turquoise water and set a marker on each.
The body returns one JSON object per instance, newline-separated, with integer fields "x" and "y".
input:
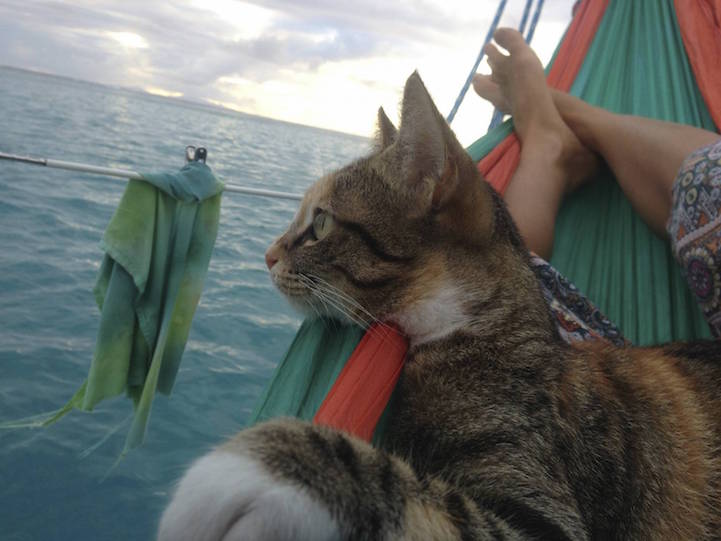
{"x": 50, "y": 225}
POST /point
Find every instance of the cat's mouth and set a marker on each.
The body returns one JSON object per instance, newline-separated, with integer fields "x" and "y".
{"x": 291, "y": 285}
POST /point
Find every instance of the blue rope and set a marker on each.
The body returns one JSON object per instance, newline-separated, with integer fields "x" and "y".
{"x": 524, "y": 19}
{"x": 494, "y": 24}
{"x": 534, "y": 21}
{"x": 497, "y": 117}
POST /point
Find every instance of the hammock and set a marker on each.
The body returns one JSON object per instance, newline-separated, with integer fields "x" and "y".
{"x": 643, "y": 58}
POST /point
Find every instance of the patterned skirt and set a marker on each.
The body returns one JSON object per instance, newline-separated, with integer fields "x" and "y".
{"x": 695, "y": 228}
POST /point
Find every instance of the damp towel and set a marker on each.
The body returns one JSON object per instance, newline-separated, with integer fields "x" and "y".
{"x": 157, "y": 249}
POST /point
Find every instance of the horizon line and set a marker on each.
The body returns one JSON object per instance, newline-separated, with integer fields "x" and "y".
{"x": 189, "y": 101}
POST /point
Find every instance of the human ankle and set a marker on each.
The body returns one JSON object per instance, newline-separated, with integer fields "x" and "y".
{"x": 579, "y": 117}
{"x": 545, "y": 145}
{"x": 562, "y": 156}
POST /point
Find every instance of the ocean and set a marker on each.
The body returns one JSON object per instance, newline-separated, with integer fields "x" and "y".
{"x": 57, "y": 483}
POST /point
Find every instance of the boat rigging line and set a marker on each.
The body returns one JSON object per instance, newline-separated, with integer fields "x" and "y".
{"x": 481, "y": 54}
{"x": 192, "y": 154}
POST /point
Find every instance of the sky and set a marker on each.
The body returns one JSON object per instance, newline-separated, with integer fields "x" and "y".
{"x": 324, "y": 63}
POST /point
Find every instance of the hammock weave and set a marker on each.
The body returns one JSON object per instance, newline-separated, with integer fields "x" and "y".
{"x": 629, "y": 57}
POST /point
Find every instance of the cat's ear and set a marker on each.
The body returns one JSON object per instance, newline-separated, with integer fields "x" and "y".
{"x": 427, "y": 149}
{"x": 386, "y": 132}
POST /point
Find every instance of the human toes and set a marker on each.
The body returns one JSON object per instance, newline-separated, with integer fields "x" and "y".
{"x": 490, "y": 91}
{"x": 510, "y": 39}
{"x": 522, "y": 58}
{"x": 496, "y": 59}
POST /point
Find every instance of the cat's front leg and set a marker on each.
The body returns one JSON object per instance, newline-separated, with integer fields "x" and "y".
{"x": 288, "y": 479}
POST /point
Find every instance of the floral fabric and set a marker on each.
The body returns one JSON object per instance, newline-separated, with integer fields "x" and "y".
{"x": 695, "y": 228}
{"x": 577, "y": 319}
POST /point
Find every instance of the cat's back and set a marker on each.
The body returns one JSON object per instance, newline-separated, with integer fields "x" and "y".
{"x": 659, "y": 422}
{"x": 700, "y": 362}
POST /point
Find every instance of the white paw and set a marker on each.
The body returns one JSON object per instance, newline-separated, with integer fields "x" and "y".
{"x": 231, "y": 497}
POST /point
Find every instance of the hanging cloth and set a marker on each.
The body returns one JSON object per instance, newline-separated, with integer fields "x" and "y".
{"x": 157, "y": 249}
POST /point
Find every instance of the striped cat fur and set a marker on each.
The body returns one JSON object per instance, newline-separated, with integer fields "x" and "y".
{"x": 499, "y": 430}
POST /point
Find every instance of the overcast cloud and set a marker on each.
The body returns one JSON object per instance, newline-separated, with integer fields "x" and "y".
{"x": 303, "y": 61}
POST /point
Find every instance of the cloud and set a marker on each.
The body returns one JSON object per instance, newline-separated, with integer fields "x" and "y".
{"x": 259, "y": 56}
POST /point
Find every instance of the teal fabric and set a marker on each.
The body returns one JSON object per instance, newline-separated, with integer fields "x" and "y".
{"x": 193, "y": 183}
{"x": 308, "y": 370}
{"x": 157, "y": 249}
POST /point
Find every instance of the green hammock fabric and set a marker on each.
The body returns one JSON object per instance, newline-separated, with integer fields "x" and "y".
{"x": 306, "y": 373}
{"x": 636, "y": 65}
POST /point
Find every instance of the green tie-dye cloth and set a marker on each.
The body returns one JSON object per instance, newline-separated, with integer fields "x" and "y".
{"x": 157, "y": 249}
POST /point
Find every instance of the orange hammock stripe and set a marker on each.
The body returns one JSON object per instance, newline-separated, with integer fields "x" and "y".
{"x": 364, "y": 386}
{"x": 700, "y": 24}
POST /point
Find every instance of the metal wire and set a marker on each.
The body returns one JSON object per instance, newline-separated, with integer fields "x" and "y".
{"x": 127, "y": 174}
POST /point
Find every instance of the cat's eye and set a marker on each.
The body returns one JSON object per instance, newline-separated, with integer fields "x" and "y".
{"x": 322, "y": 225}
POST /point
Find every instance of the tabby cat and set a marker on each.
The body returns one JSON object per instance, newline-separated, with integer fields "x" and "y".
{"x": 500, "y": 430}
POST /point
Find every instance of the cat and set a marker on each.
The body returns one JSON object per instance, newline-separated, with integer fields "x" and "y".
{"x": 499, "y": 429}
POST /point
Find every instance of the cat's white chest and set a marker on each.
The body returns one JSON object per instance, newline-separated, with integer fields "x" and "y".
{"x": 434, "y": 315}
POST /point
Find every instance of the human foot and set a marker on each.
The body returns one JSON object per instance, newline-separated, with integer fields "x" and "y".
{"x": 489, "y": 90}
{"x": 518, "y": 86}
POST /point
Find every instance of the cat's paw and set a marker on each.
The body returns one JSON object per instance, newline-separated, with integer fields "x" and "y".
{"x": 231, "y": 496}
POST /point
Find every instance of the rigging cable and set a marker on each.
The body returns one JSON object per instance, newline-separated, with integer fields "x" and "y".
{"x": 497, "y": 117}
{"x": 481, "y": 54}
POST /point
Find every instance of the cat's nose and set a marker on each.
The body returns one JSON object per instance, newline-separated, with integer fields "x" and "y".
{"x": 270, "y": 260}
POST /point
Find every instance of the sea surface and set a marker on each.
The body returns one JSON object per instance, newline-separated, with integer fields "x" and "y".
{"x": 58, "y": 483}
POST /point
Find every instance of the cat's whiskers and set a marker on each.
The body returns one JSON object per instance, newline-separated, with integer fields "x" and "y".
{"x": 330, "y": 288}
{"x": 336, "y": 303}
{"x": 385, "y": 332}
{"x": 375, "y": 330}
{"x": 343, "y": 309}
{"x": 308, "y": 287}
{"x": 326, "y": 308}
{"x": 289, "y": 285}
{"x": 326, "y": 297}
{"x": 331, "y": 309}
{"x": 316, "y": 310}
{"x": 296, "y": 287}
{"x": 381, "y": 329}
{"x": 327, "y": 293}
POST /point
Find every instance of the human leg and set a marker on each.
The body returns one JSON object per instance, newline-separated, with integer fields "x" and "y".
{"x": 552, "y": 157}
{"x": 671, "y": 173}
{"x": 644, "y": 154}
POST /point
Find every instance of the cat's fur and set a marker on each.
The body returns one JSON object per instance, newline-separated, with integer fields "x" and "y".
{"x": 499, "y": 430}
